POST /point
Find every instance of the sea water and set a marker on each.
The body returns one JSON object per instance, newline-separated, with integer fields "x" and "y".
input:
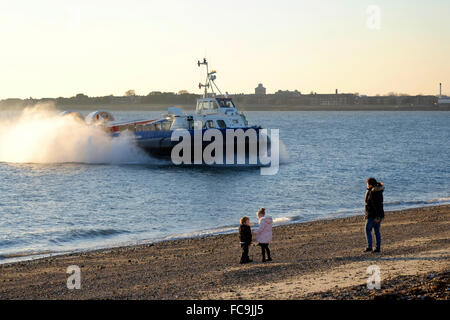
{"x": 66, "y": 188}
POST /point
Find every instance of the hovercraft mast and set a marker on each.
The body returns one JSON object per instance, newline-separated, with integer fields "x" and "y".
{"x": 209, "y": 81}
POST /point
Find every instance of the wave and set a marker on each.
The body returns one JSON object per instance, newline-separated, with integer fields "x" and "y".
{"x": 7, "y": 242}
{"x": 23, "y": 254}
{"x": 444, "y": 199}
{"x": 409, "y": 203}
{"x": 284, "y": 154}
{"x": 81, "y": 234}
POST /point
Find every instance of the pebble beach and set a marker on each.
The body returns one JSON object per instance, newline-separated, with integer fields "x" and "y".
{"x": 321, "y": 259}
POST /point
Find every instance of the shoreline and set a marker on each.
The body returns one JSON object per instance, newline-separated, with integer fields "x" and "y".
{"x": 308, "y": 257}
{"x": 242, "y": 107}
{"x": 19, "y": 257}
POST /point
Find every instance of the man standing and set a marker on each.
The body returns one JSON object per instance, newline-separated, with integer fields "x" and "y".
{"x": 374, "y": 212}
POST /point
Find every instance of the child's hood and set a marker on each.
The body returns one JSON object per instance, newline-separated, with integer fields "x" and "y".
{"x": 267, "y": 220}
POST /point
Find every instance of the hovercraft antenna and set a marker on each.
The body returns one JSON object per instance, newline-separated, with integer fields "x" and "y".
{"x": 210, "y": 77}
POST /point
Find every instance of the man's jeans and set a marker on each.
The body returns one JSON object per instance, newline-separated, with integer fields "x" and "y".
{"x": 371, "y": 224}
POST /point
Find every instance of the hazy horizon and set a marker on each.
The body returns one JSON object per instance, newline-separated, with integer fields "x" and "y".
{"x": 52, "y": 49}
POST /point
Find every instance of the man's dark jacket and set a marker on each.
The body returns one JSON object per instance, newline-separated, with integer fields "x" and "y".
{"x": 245, "y": 234}
{"x": 374, "y": 202}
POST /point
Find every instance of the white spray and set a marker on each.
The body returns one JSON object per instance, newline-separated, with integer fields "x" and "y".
{"x": 39, "y": 134}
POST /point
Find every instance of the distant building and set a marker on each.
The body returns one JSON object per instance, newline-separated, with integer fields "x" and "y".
{"x": 337, "y": 99}
{"x": 288, "y": 93}
{"x": 260, "y": 90}
{"x": 444, "y": 101}
{"x": 419, "y": 100}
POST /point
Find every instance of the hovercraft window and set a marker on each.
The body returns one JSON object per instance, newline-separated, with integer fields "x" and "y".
{"x": 158, "y": 126}
{"x": 221, "y": 124}
{"x": 166, "y": 125}
{"x": 212, "y": 105}
{"x": 210, "y": 124}
{"x": 226, "y": 104}
{"x": 202, "y": 106}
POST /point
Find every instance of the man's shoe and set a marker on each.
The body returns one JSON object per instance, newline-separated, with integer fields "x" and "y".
{"x": 269, "y": 259}
{"x": 368, "y": 250}
{"x": 376, "y": 250}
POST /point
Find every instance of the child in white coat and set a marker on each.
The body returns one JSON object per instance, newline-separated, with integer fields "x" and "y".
{"x": 264, "y": 233}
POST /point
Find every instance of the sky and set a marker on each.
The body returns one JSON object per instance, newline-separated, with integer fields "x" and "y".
{"x": 62, "y": 48}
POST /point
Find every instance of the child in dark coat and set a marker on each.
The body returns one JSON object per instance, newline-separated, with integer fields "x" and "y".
{"x": 245, "y": 237}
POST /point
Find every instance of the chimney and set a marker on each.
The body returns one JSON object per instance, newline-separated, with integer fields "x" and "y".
{"x": 440, "y": 90}
{"x": 336, "y": 91}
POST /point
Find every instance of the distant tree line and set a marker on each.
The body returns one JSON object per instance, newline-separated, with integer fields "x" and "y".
{"x": 281, "y": 98}
{"x": 130, "y": 97}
